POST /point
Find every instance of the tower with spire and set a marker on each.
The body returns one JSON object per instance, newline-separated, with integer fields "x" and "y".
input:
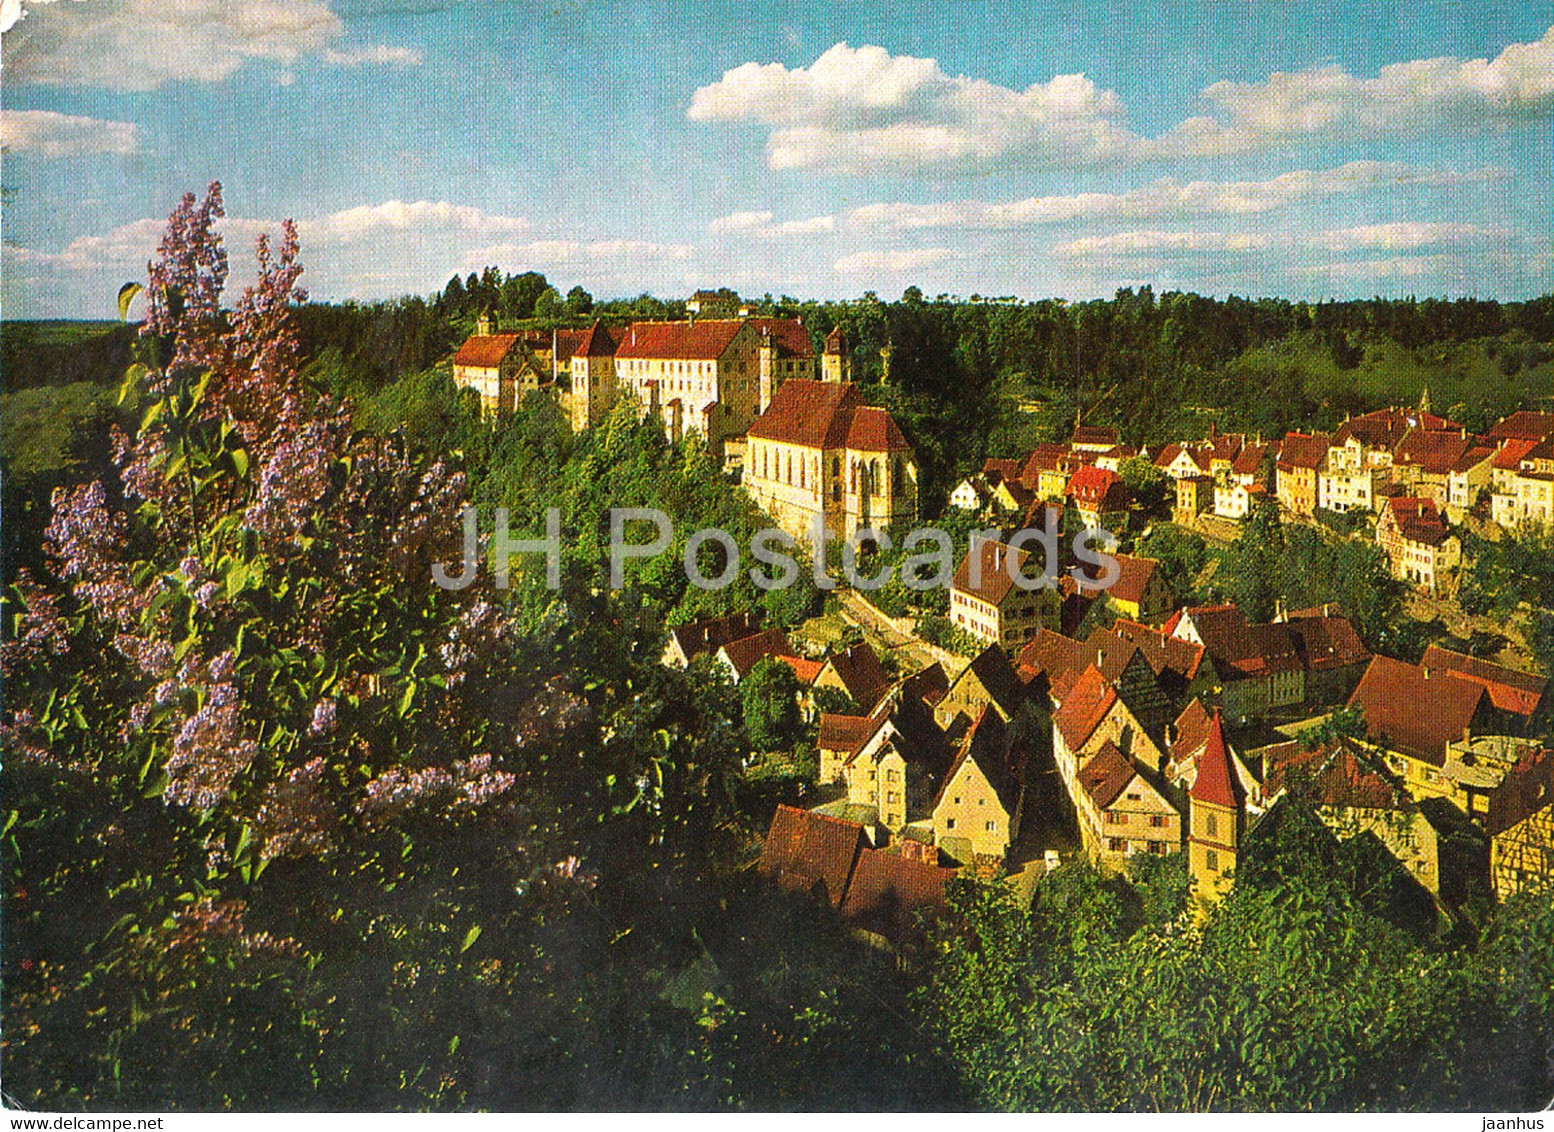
{"x": 837, "y": 361}
{"x": 1216, "y": 809}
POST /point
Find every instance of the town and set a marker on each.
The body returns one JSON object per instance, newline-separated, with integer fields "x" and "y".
{"x": 1050, "y": 731}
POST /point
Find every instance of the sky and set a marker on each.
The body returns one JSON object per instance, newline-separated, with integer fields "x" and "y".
{"x": 819, "y": 149}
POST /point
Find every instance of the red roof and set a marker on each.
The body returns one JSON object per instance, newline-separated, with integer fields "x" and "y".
{"x": 704, "y": 340}
{"x": 1418, "y": 519}
{"x": 995, "y": 584}
{"x": 598, "y": 341}
{"x": 861, "y": 674}
{"x": 1095, "y": 486}
{"x": 745, "y": 653}
{"x": 1240, "y": 650}
{"x": 788, "y": 336}
{"x": 1512, "y": 452}
{"x": 1304, "y": 451}
{"x": 1106, "y": 775}
{"x": 486, "y": 351}
{"x": 1509, "y": 689}
{"x": 827, "y": 414}
{"x": 1084, "y": 708}
{"x": 1216, "y": 783}
{"x": 888, "y": 892}
{"x": 1527, "y": 789}
{"x": 804, "y": 850}
{"x": 1385, "y": 428}
{"x": 1327, "y": 640}
{"x": 1417, "y": 709}
{"x": 845, "y": 732}
{"x": 1332, "y": 774}
{"x": 805, "y": 669}
{"x": 1524, "y": 425}
{"x": 1435, "y": 453}
{"x": 1250, "y": 462}
{"x": 836, "y": 341}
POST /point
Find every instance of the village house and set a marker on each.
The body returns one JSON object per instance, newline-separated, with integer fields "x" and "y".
{"x": 707, "y": 636}
{"x": 498, "y": 368}
{"x": 1413, "y": 713}
{"x": 1139, "y": 593}
{"x": 988, "y": 680}
{"x": 1476, "y": 765}
{"x": 1122, "y": 812}
{"x": 1100, "y": 497}
{"x": 1414, "y": 536}
{"x": 1515, "y": 697}
{"x": 1094, "y": 713}
{"x": 1093, "y": 438}
{"x": 1425, "y": 464}
{"x": 1257, "y": 667}
{"x": 976, "y": 815}
{"x": 811, "y": 853}
{"x": 1184, "y": 461}
{"x": 1468, "y": 481}
{"x": 819, "y": 454}
{"x": 1529, "y": 490}
{"x": 1334, "y": 656}
{"x": 1194, "y": 496}
{"x": 1245, "y": 483}
{"x": 898, "y": 768}
{"x": 1520, "y": 825}
{"x": 1053, "y": 663}
{"x": 990, "y": 606}
{"x": 742, "y": 655}
{"x": 1301, "y": 458}
{"x": 1188, "y": 740}
{"x": 857, "y": 672}
{"x": 1048, "y": 467}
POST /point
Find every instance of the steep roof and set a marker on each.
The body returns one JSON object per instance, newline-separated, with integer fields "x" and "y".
{"x": 1513, "y": 452}
{"x": 992, "y": 668}
{"x": 991, "y": 747}
{"x": 1106, "y": 775}
{"x": 1433, "y": 452}
{"x": 836, "y": 341}
{"x": 995, "y": 470}
{"x": 746, "y": 652}
{"x": 1418, "y": 709}
{"x": 1083, "y": 709}
{"x": 1051, "y": 655}
{"x": 1092, "y": 484}
{"x": 1509, "y": 689}
{"x": 888, "y": 892}
{"x": 1525, "y": 790}
{"x": 994, "y": 584}
{"x": 566, "y": 342}
{"x": 860, "y": 673}
{"x": 845, "y": 732}
{"x": 827, "y": 414}
{"x": 1418, "y": 519}
{"x": 1240, "y": 650}
{"x": 486, "y": 351}
{"x": 1163, "y": 651}
{"x": 1250, "y": 461}
{"x": 1217, "y": 783}
{"x": 1386, "y": 427}
{"x": 872, "y": 429}
{"x": 804, "y": 849}
{"x": 929, "y": 685}
{"x": 1191, "y": 729}
{"x": 803, "y": 668}
{"x": 598, "y": 341}
{"x": 1133, "y": 578}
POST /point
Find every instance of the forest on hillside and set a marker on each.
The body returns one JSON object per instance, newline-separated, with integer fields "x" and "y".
{"x": 286, "y": 826}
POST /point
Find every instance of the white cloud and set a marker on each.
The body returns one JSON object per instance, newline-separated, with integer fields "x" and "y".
{"x": 893, "y": 262}
{"x": 395, "y": 215}
{"x": 1160, "y": 242}
{"x": 142, "y": 44}
{"x": 758, "y": 225}
{"x": 865, "y": 110}
{"x": 549, "y": 252}
{"x": 1403, "y": 98}
{"x": 1163, "y": 198}
{"x": 47, "y": 134}
{"x": 1406, "y": 234}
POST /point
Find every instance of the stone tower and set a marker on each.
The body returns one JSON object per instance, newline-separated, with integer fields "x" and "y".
{"x": 837, "y": 361}
{"x": 1215, "y": 809}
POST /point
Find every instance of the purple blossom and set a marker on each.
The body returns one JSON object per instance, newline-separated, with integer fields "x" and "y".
{"x": 295, "y": 818}
{"x": 323, "y": 718}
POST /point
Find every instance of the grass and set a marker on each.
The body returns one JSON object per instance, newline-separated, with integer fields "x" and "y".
{"x": 39, "y": 427}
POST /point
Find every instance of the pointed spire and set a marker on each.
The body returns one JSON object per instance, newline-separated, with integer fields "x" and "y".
{"x": 1216, "y": 783}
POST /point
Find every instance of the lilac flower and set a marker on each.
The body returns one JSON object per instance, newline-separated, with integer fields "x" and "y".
{"x": 295, "y": 818}
{"x": 323, "y": 718}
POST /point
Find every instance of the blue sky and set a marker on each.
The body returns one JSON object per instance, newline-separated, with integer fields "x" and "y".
{"x": 815, "y": 149}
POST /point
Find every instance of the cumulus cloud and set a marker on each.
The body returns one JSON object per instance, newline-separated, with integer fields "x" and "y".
{"x": 760, "y": 226}
{"x": 1403, "y": 98}
{"x": 1405, "y": 234}
{"x": 142, "y": 44}
{"x": 893, "y": 262}
{"x": 47, "y": 134}
{"x": 369, "y": 220}
{"x": 548, "y": 252}
{"x": 864, "y": 110}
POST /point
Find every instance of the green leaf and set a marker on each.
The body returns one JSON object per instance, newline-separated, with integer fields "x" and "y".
{"x": 240, "y": 461}
{"x": 407, "y": 699}
{"x": 127, "y": 295}
{"x": 469, "y": 939}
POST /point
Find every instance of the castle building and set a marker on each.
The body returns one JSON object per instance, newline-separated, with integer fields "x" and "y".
{"x": 817, "y": 451}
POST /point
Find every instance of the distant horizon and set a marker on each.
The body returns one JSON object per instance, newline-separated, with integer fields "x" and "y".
{"x": 1305, "y": 149}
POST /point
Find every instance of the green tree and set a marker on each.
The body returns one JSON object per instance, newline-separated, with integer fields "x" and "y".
{"x": 771, "y": 707}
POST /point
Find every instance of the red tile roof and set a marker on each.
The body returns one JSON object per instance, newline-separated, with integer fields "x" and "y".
{"x": 1332, "y": 774}
{"x": 1090, "y": 485}
{"x": 873, "y": 429}
{"x": 836, "y": 341}
{"x": 1093, "y": 434}
{"x": 990, "y": 746}
{"x": 1216, "y": 783}
{"x": 712, "y": 633}
{"x": 1386, "y": 427}
{"x": 888, "y": 892}
{"x": 1524, "y": 425}
{"x": 788, "y": 336}
{"x": 598, "y": 341}
{"x": 1417, "y": 709}
{"x": 1083, "y": 709}
{"x": 930, "y": 685}
{"x": 485, "y": 351}
{"x": 1418, "y": 520}
{"x": 1326, "y": 640}
{"x": 1509, "y": 689}
{"x": 805, "y": 850}
{"x": 1512, "y": 452}
{"x": 702, "y": 340}
{"x": 745, "y": 653}
{"x": 1240, "y": 650}
{"x": 994, "y": 584}
{"x": 1303, "y": 450}
{"x": 1250, "y": 461}
{"x": 861, "y": 674}
{"x": 827, "y": 414}
{"x": 845, "y": 732}
{"x": 805, "y": 669}
{"x": 1435, "y": 453}
{"x": 1526, "y": 790}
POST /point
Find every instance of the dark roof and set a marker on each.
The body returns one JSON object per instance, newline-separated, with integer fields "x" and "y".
{"x": 746, "y": 652}
{"x": 1243, "y": 651}
{"x": 1133, "y": 577}
{"x": 1509, "y": 689}
{"x": 1094, "y": 434}
{"x": 861, "y": 674}
{"x": 1335, "y": 773}
{"x": 1385, "y": 428}
{"x": 889, "y": 891}
{"x": 995, "y": 470}
{"x": 487, "y": 351}
{"x": 1525, "y": 790}
{"x": 1216, "y": 783}
{"x": 827, "y": 414}
{"x": 836, "y": 341}
{"x": 1327, "y": 641}
{"x": 1106, "y": 774}
{"x": 1418, "y": 709}
{"x": 1436, "y": 453}
{"x": 598, "y": 341}
{"x": 845, "y": 732}
{"x": 1250, "y": 461}
{"x": 804, "y": 849}
{"x": 1163, "y": 651}
{"x": 995, "y": 584}
{"x": 929, "y": 684}
{"x": 712, "y": 633}
{"x": 991, "y": 666}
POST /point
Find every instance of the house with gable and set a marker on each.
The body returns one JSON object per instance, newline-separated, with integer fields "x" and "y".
{"x": 1520, "y": 825}
{"x": 1123, "y": 810}
{"x": 976, "y": 814}
{"x": 1217, "y": 819}
{"x": 1301, "y": 459}
{"x": 991, "y": 606}
{"x": 1420, "y": 548}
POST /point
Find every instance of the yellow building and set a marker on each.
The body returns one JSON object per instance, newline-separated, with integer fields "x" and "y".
{"x": 497, "y": 367}
{"x": 1122, "y": 813}
{"x": 1520, "y": 825}
{"x": 978, "y": 809}
{"x": 818, "y": 453}
{"x": 989, "y": 680}
{"x": 1215, "y": 812}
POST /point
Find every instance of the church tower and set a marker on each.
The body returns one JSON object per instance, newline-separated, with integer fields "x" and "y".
{"x": 1215, "y": 808}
